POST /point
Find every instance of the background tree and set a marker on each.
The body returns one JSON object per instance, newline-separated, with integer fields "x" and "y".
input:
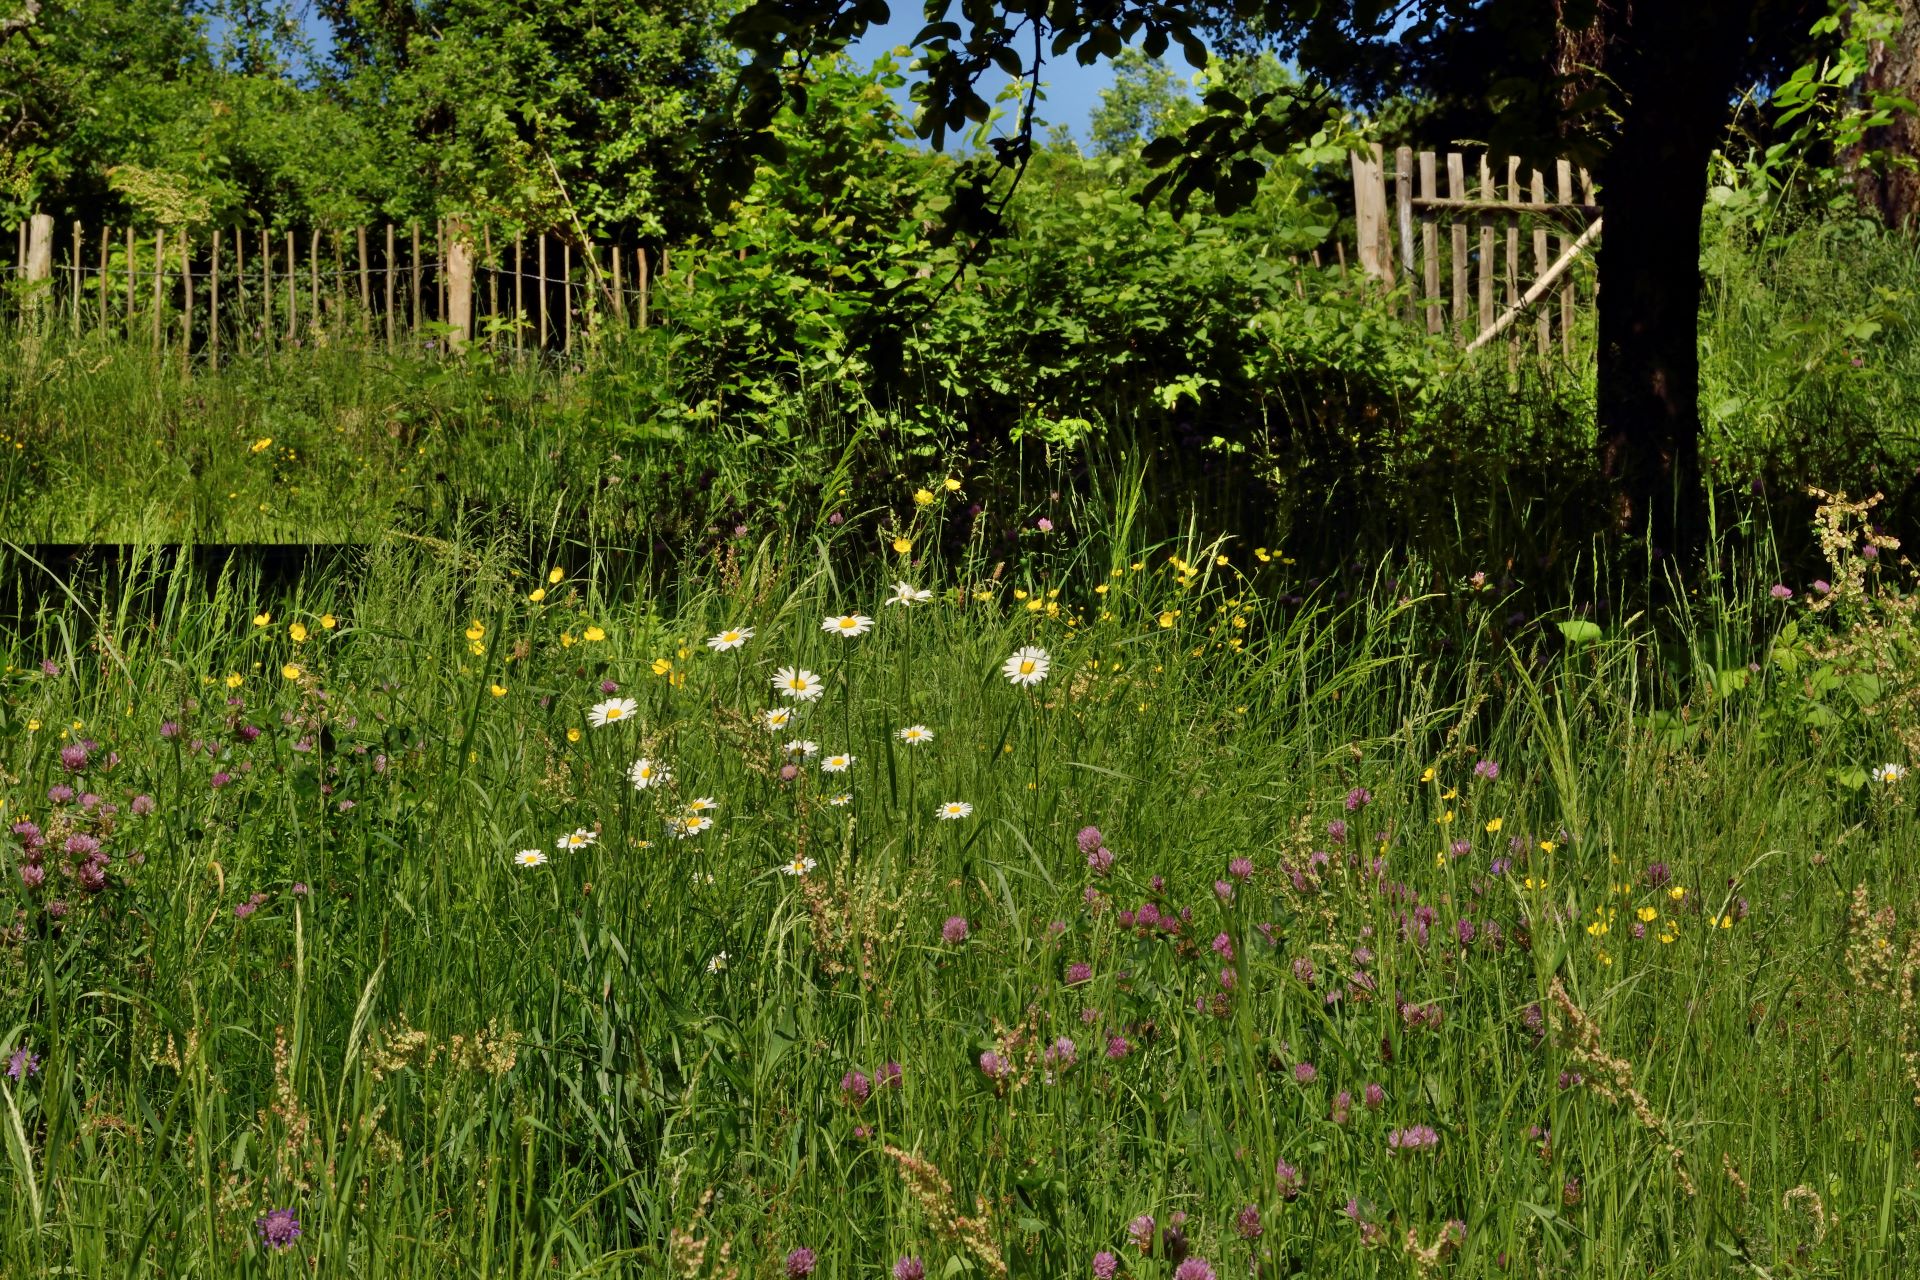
{"x": 537, "y": 111}
{"x": 1648, "y": 117}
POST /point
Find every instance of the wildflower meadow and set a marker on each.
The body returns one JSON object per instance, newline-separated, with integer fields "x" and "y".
{"x": 1143, "y": 911}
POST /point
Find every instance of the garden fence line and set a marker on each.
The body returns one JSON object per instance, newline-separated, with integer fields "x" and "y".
{"x": 1456, "y": 263}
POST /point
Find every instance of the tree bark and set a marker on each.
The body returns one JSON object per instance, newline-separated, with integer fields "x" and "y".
{"x": 1675, "y": 67}
{"x": 1890, "y": 188}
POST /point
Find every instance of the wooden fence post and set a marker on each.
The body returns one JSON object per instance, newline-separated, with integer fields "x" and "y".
{"x": 1513, "y": 255}
{"x": 566, "y": 293}
{"x": 640, "y": 281}
{"x": 213, "y": 304}
{"x": 414, "y": 275}
{"x": 1457, "y": 190}
{"x": 77, "y": 287}
{"x": 1403, "y": 214}
{"x": 314, "y": 319}
{"x": 619, "y": 301}
{"x": 366, "y": 283}
{"x": 1430, "y": 241}
{"x": 106, "y": 237}
{"x": 130, "y": 284}
{"x": 293, "y": 291}
{"x": 186, "y": 296}
{"x": 493, "y": 282}
{"x": 1563, "y": 188}
{"x": 1543, "y": 325}
{"x": 388, "y": 290}
{"x": 240, "y": 343}
{"x": 540, "y": 344}
{"x": 457, "y": 243}
{"x": 159, "y": 278}
{"x": 519, "y": 297}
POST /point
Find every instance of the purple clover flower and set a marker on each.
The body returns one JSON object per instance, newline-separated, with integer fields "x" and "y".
{"x": 278, "y": 1228}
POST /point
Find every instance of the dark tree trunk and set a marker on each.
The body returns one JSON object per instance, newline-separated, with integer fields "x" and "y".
{"x": 1890, "y": 187}
{"x": 1676, "y": 68}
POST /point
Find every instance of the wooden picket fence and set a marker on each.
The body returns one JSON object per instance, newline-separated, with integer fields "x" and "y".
{"x": 1500, "y": 248}
{"x": 223, "y": 290}
{"x": 1447, "y": 250}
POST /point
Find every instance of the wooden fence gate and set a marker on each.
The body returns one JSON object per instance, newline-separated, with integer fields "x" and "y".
{"x": 1402, "y": 242}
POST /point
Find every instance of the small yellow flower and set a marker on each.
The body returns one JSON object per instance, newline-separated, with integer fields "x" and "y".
{"x": 1546, "y": 846}
{"x": 593, "y": 635}
{"x": 1427, "y": 775}
{"x": 1647, "y": 915}
{"x": 262, "y": 619}
{"x": 1445, "y": 818}
{"x": 537, "y": 594}
{"x": 903, "y": 545}
{"x": 1166, "y": 619}
{"x": 554, "y": 576}
{"x": 1450, "y": 793}
{"x": 261, "y": 445}
{"x": 567, "y": 640}
{"x": 952, "y": 484}
{"x": 1034, "y": 606}
{"x": 1493, "y": 826}
{"x": 328, "y": 622}
{"x": 475, "y": 630}
{"x": 235, "y": 680}
{"x": 497, "y": 690}
{"x": 1676, "y": 893}
{"x": 290, "y": 671}
{"x": 1220, "y": 561}
{"x": 922, "y": 497}
{"x": 33, "y": 726}
{"x": 298, "y": 631}
{"x": 573, "y": 735}
{"x": 661, "y": 666}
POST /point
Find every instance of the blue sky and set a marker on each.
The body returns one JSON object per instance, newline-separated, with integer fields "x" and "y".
{"x": 1072, "y": 91}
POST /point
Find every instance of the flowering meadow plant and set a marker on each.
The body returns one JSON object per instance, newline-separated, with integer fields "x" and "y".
{"x": 1189, "y": 924}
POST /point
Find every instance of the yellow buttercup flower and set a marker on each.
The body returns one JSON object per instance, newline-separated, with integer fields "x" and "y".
{"x": 290, "y": 671}
{"x": 235, "y": 680}
{"x": 554, "y": 576}
{"x": 1427, "y": 775}
{"x": 903, "y": 545}
{"x": 298, "y": 631}
{"x": 262, "y": 619}
{"x": 922, "y": 497}
{"x": 661, "y": 666}
{"x": 328, "y": 622}
{"x": 952, "y": 484}
{"x": 475, "y": 630}
{"x": 573, "y": 735}
{"x": 1493, "y": 826}
{"x": 497, "y": 690}
{"x": 593, "y": 635}
{"x": 537, "y": 594}
{"x": 261, "y": 445}
{"x": 567, "y": 640}
{"x": 1647, "y": 915}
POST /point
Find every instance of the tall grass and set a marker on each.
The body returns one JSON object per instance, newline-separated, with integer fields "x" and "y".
{"x": 323, "y": 985}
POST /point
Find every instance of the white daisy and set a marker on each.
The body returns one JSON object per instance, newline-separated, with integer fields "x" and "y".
{"x": 605, "y": 713}
{"x": 842, "y": 800}
{"x": 645, "y": 773}
{"x": 908, "y": 594}
{"x": 702, "y": 805}
{"x": 529, "y": 858}
{"x": 953, "y": 810}
{"x": 799, "y": 866}
{"x": 836, "y": 763}
{"x": 579, "y": 838}
{"x": 802, "y": 747}
{"x": 1889, "y": 772}
{"x": 915, "y": 734}
{"x": 848, "y": 625}
{"x": 775, "y": 719}
{"x": 798, "y": 683}
{"x": 718, "y": 963}
{"x": 731, "y": 638}
{"x": 1027, "y": 666}
{"x": 699, "y": 878}
{"x": 691, "y": 825}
